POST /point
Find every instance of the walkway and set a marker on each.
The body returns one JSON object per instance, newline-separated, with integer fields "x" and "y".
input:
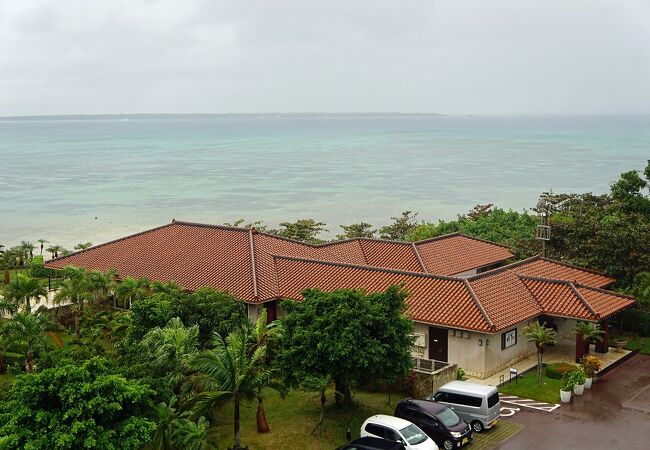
{"x": 556, "y": 353}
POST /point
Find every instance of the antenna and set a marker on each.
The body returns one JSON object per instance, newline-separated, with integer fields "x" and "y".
{"x": 543, "y": 229}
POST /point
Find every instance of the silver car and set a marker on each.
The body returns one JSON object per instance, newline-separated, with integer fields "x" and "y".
{"x": 477, "y": 404}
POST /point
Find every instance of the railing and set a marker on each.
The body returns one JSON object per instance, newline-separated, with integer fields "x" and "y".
{"x": 428, "y": 365}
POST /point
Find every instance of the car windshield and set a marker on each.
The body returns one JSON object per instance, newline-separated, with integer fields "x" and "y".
{"x": 413, "y": 434}
{"x": 448, "y": 417}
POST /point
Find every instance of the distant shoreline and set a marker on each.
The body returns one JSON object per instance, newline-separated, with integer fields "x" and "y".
{"x": 172, "y": 116}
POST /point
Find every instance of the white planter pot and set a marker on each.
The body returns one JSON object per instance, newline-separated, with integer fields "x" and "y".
{"x": 565, "y": 396}
{"x": 588, "y": 383}
{"x": 579, "y": 389}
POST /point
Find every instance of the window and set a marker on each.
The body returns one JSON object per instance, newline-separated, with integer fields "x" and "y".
{"x": 441, "y": 397}
{"x": 424, "y": 418}
{"x": 462, "y": 399}
{"x": 493, "y": 399}
{"x": 375, "y": 429}
{"x": 448, "y": 417}
{"x": 509, "y": 339}
{"x": 391, "y": 435}
{"x": 413, "y": 434}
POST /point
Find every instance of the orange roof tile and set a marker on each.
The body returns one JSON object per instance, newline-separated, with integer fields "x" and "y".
{"x": 257, "y": 267}
{"x": 432, "y": 299}
{"x": 457, "y": 253}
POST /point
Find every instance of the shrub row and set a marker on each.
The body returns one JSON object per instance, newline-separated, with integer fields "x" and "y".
{"x": 557, "y": 370}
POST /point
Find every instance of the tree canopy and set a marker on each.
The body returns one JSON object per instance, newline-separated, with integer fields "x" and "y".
{"x": 74, "y": 407}
{"x": 347, "y": 335}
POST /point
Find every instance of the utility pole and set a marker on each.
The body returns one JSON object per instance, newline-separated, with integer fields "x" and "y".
{"x": 543, "y": 229}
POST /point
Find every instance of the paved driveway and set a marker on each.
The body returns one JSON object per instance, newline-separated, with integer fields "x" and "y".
{"x": 613, "y": 414}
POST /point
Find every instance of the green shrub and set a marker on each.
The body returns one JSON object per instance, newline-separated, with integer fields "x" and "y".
{"x": 634, "y": 320}
{"x": 557, "y": 370}
{"x": 37, "y": 268}
{"x": 460, "y": 374}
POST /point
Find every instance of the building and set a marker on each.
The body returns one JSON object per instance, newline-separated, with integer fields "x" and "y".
{"x": 468, "y": 307}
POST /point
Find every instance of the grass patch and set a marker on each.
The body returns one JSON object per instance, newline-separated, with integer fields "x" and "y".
{"x": 527, "y": 387}
{"x": 640, "y": 343}
{"x": 292, "y": 420}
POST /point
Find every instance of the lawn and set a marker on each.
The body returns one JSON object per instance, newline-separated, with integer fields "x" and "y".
{"x": 640, "y": 343}
{"x": 527, "y": 387}
{"x": 292, "y": 420}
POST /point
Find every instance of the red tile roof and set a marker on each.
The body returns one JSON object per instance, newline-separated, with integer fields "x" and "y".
{"x": 457, "y": 253}
{"x": 258, "y": 267}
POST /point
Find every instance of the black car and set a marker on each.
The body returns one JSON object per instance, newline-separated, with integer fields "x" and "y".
{"x": 438, "y": 421}
{"x": 371, "y": 443}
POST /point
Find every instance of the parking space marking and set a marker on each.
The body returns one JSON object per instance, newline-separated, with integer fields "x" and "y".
{"x": 527, "y": 403}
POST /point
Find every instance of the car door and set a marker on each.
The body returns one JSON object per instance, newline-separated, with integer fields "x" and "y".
{"x": 429, "y": 425}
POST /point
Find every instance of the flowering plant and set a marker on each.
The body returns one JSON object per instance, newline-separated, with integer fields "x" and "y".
{"x": 590, "y": 365}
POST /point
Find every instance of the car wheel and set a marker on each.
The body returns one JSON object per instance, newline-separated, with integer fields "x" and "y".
{"x": 477, "y": 426}
{"x": 448, "y": 444}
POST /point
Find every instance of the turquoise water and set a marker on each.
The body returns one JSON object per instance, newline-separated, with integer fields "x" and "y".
{"x": 56, "y": 176}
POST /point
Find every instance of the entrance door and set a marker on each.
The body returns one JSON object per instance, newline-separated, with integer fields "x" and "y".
{"x": 271, "y": 311}
{"x": 438, "y": 344}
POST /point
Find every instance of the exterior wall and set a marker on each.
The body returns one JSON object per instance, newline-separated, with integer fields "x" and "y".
{"x": 497, "y": 359}
{"x": 425, "y": 384}
{"x": 254, "y": 310}
{"x": 565, "y": 331}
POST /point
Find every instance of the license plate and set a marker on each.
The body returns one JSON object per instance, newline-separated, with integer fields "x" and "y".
{"x": 464, "y": 441}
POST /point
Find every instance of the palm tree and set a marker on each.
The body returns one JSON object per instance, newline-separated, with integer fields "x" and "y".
{"x": 228, "y": 371}
{"x": 540, "y": 335}
{"x": 170, "y": 347}
{"x": 83, "y": 245}
{"x": 175, "y": 431}
{"x": 31, "y": 333}
{"x": 8, "y": 261}
{"x": 54, "y": 250}
{"x": 170, "y": 287}
{"x": 22, "y": 289}
{"x": 132, "y": 289}
{"x": 590, "y": 332}
{"x": 76, "y": 288}
{"x": 264, "y": 335}
{"x": 42, "y": 243}
{"x": 101, "y": 283}
{"x": 28, "y": 249}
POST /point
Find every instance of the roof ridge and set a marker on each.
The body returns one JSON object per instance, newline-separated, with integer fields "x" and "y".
{"x": 419, "y": 258}
{"x": 574, "y": 266}
{"x": 372, "y": 268}
{"x": 584, "y": 301}
{"x": 459, "y": 233}
{"x": 478, "y": 304}
{"x": 386, "y": 241}
{"x": 251, "y": 243}
{"x": 539, "y": 303}
{"x": 504, "y": 268}
{"x": 605, "y": 291}
{"x": 544, "y": 279}
{"x": 111, "y": 242}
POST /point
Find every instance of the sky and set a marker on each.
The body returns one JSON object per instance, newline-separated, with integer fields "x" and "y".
{"x": 213, "y": 56}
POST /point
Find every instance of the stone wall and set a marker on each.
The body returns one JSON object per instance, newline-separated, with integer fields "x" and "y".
{"x": 426, "y": 383}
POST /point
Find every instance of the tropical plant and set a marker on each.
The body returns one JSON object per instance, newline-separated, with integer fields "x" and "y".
{"x": 590, "y": 332}
{"x": 568, "y": 381}
{"x": 357, "y": 230}
{"x": 8, "y": 261}
{"x": 54, "y": 250}
{"x": 229, "y": 371}
{"x": 578, "y": 377}
{"x": 42, "y": 243}
{"x": 83, "y": 245}
{"x": 84, "y": 406}
{"x": 306, "y": 230}
{"x": 22, "y": 290}
{"x": 31, "y": 333}
{"x": 170, "y": 347}
{"x": 400, "y": 228}
{"x": 101, "y": 284}
{"x": 77, "y": 289}
{"x": 540, "y": 335}
{"x": 590, "y": 365}
{"x": 131, "y": 290}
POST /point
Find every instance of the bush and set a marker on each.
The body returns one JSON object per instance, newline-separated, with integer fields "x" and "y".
{"x": 460, "y": 374}
{"x": 38, "y": 269}
{"x": 634, "y": 320}
{"x": 557, "y": 370}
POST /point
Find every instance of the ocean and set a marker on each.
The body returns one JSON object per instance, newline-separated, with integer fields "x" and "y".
{"x": 78, "y": 179}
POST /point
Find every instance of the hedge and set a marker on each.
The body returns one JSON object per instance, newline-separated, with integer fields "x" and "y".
{"x": 38, "y": 270}
{"x": 635, "y": 321}
{"x": 556, "y": 370}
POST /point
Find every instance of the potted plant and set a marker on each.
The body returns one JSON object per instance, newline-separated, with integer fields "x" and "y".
{"x": 567, "y": 387}
{"x": 579, "y": 379}
{"x": 620, "y": 343}
{"x": 590, "y": 366}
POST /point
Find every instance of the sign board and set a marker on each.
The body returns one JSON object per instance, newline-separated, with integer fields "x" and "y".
{"x": 509, "y": 338}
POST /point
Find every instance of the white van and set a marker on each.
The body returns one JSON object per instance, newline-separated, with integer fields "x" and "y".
{"x": 477, "y": 404}
{"x": 396, "y": 429}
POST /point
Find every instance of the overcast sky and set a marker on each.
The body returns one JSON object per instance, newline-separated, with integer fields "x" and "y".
{"x": 447, "y": 56}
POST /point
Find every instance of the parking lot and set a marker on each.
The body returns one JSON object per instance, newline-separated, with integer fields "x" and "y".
{"x": 614, "y": 414}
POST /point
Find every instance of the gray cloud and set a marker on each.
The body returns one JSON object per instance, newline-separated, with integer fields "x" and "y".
{"x": 451, "y": 56}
